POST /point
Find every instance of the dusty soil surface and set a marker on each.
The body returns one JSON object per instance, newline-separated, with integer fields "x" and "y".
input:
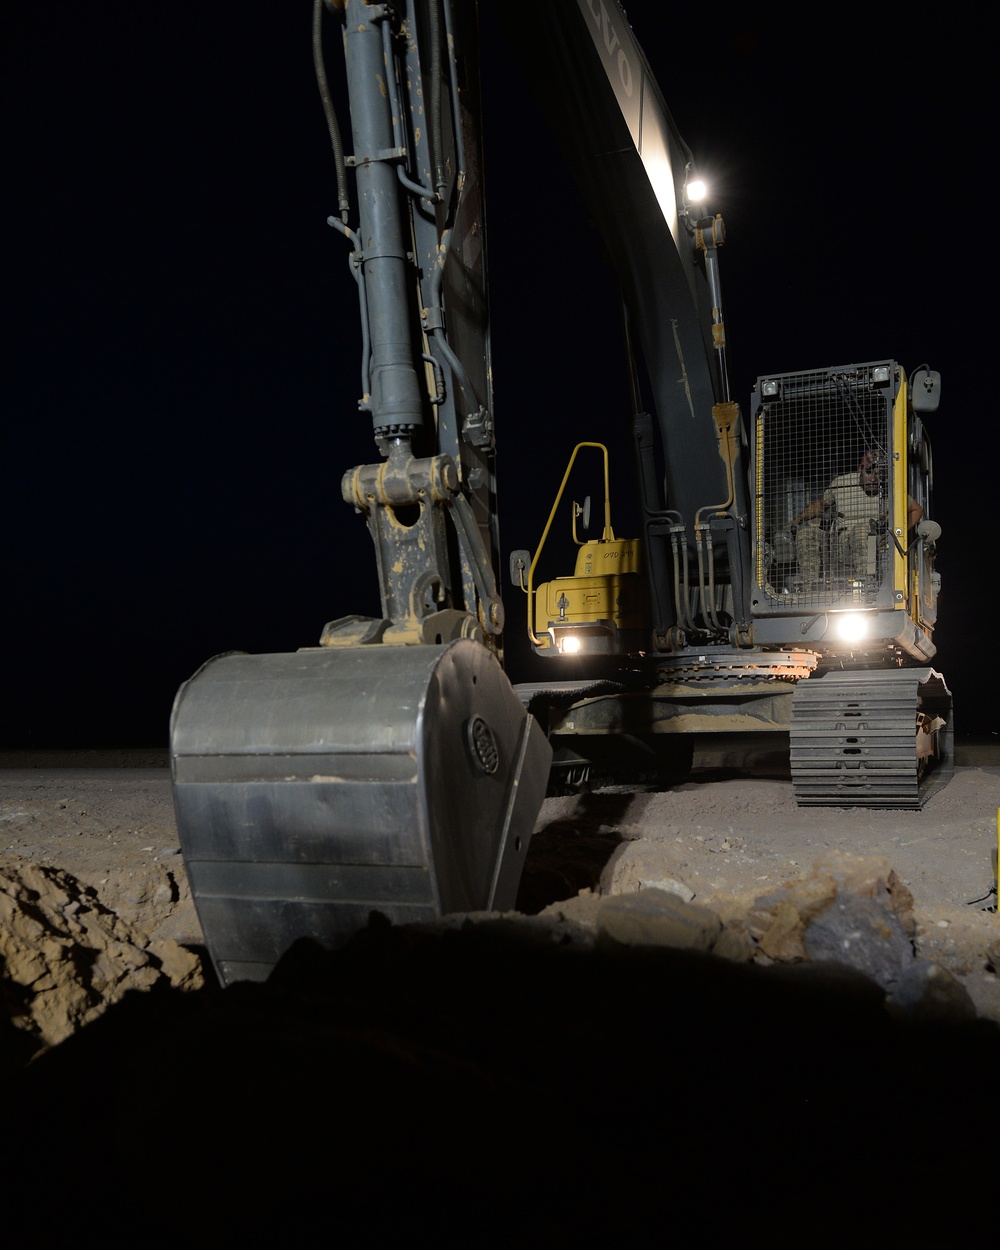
{"x": 585, "y": 1068}
{"x": 92, "y": 835}
{"x": 732, "y": 840}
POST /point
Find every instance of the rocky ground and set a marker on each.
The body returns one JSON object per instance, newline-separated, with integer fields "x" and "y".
{"x": 693, "y": 966}
{"x": 90, "y": 862}
{"x": 740, "y": 846}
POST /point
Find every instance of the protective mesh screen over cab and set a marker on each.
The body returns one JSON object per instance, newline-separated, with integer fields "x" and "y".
{"x": 822, "y": 471}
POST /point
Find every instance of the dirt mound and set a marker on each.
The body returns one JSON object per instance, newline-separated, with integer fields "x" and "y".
{"x": 64, "y": 957}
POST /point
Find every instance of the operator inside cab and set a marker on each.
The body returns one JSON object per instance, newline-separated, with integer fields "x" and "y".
{"x": 856, "y": 507}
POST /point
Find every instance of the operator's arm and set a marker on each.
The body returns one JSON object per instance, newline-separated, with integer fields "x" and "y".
{"x": 913, "y": 512}
{"x": 811, "y": 510}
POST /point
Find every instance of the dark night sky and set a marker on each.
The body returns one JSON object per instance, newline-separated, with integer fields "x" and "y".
{"x": 181, "y": 363}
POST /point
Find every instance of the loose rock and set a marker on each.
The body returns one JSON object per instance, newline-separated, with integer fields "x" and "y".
{"x": 657, "y": 918}
{"x": 779, "y": 921}
{"x": 640, "y": 866}
{"x": 863, "y": 934}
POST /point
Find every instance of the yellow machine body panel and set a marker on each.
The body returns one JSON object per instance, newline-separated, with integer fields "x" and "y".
{"x": 607, "y": 590}
{"x": 900, "y": 496}
{"x": 619, "y": 555}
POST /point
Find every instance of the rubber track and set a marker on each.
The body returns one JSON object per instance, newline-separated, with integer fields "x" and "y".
{"x": 853, "y": 738}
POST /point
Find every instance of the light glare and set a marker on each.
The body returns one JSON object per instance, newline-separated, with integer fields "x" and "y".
{"x": 851, "y": 627}
{"x": 696, "y": 191}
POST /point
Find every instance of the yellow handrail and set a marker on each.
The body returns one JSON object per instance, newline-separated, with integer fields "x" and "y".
{"x": 607, "y": 535}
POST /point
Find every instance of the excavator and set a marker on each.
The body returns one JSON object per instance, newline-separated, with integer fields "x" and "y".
{"x": 780, "y": 578}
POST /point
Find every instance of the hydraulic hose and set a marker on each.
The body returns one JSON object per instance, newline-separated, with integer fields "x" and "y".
{"x": 332, "y": 125}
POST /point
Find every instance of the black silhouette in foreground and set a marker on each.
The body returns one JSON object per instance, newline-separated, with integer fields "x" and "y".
{"x": 485, "y": 1086}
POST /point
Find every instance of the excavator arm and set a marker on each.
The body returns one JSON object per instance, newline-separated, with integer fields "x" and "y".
{"x": 418, "y": 257}
{"x": 392, "y": 768}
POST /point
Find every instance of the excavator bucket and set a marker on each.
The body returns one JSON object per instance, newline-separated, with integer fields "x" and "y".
{"x": 317, "y": 787}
